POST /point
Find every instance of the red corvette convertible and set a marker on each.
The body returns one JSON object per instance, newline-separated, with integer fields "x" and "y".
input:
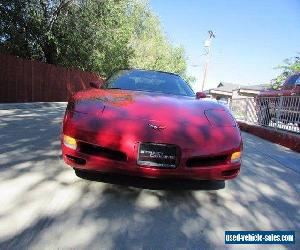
{"x": 150, "y": 123}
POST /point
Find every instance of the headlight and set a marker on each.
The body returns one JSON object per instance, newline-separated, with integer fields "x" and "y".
{"x": 235, "y": 157}
{"x": 219, "y": 118}
{"x": 69, "y": 142}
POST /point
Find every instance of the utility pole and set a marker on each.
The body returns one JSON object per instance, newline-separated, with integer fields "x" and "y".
{"x": 207, "y": 46}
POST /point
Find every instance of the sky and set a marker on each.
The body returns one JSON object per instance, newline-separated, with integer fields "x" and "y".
{"x": 252, "y": 36}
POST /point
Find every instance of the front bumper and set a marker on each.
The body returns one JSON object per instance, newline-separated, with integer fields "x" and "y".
{"x": 87, "y": 162}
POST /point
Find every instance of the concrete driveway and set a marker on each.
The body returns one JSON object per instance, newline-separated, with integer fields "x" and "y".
{"x": 43, "y": 205}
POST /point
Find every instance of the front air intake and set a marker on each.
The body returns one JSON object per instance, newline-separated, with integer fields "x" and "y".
{"x": 111, "y": 154}
{"x": 207, "y": 161}
{"x": 77, "y": 160}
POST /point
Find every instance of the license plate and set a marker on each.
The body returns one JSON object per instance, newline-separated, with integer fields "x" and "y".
{"x": 157, "y": 155}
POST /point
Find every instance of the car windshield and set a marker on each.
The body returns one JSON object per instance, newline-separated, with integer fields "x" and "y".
{"x": 152, "y": 81}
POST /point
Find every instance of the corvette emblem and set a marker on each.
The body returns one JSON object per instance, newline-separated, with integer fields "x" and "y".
{"x": 156, "y": 127}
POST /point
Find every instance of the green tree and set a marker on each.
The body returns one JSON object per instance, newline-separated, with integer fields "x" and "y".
{"x": 151, "y": 48}
{"x": 27, "y": 28}
{"x": 99, "y": 36}
{"x": 90, "y": 34}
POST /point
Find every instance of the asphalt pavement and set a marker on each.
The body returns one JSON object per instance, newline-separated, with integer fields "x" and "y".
{"x": 44, "y": 205}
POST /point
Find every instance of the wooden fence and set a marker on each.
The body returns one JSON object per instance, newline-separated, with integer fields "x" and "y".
{"x": 24, "y": 80}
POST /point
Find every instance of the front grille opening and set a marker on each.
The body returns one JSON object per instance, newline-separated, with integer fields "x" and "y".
{"x": 91, "y": 149}
{"x": 206, "y": 161}
{"x": 76, "y": 160}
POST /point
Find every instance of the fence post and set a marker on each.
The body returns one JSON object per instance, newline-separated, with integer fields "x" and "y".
{"x": 278, "y": 110}
{"x": 246, "y": 110}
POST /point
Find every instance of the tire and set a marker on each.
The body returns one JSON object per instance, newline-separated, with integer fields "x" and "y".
{"x": 81, "y": 173}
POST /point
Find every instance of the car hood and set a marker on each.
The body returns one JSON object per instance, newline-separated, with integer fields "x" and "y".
{"x": 112, "y": 117}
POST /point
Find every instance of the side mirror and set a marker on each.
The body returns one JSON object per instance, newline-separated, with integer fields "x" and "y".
{"x": 96, "y": 84}
{"x": 200, "y": 95}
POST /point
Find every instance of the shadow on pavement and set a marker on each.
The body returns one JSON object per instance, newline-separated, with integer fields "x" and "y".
{"x": 152, "y": 184}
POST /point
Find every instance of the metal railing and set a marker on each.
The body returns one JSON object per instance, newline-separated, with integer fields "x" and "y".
{"x": 277, "y": 112}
